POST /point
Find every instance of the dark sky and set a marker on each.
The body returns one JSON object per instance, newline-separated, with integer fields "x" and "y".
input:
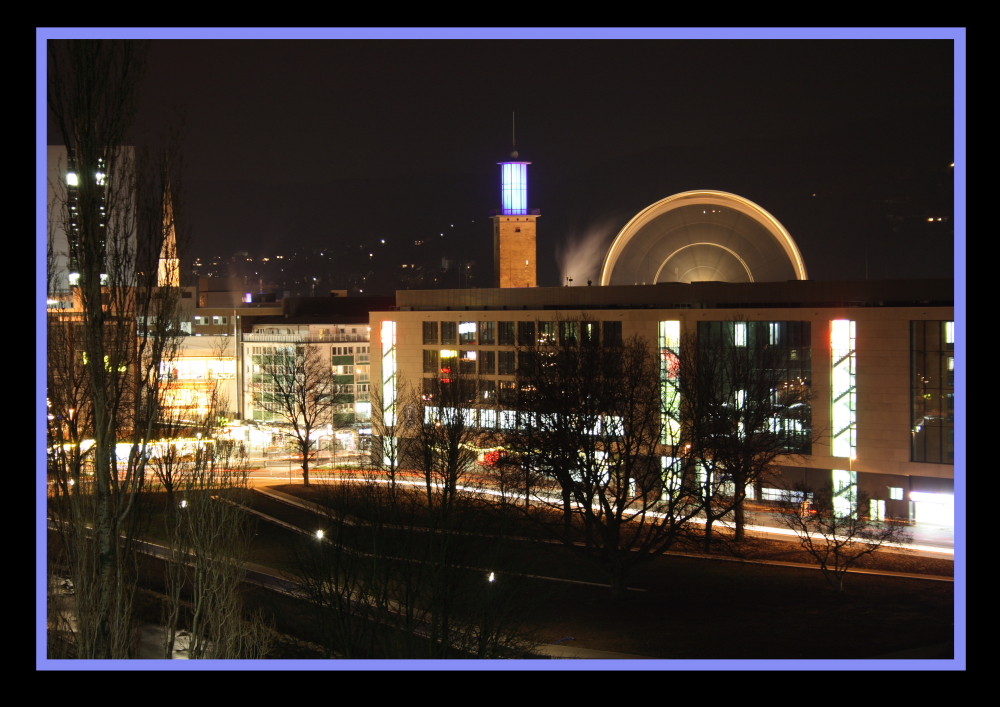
{"x": 334, "y": 142}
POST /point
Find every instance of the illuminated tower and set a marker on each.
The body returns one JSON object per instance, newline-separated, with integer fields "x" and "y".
{"x": 514, "y": 228}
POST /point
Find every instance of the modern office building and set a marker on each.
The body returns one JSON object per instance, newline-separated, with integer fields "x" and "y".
{"x": 877, "y": 356}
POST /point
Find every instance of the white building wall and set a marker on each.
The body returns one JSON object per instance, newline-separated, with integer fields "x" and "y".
{"x": 883, "y": 369}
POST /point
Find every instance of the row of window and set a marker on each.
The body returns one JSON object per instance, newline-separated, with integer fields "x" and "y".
{"x": 348, "y": 350}
{"x": 213, "y": 320}
{"x": 482, "y": 391}
{"x": 449, "y": 362}
{"x": 492, "y": 419}
{"x": 523, "y": 333}
{"x": 352, "y": 388}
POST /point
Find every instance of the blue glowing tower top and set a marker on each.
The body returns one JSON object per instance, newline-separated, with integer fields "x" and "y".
{"x": 514, "y": 186}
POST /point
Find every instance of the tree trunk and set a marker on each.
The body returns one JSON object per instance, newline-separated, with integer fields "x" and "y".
{"x": 739, "y": 516}
{"x": 709, "y": 519}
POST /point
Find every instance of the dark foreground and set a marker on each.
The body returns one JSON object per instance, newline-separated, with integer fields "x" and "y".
{"x": 678, "y": 607}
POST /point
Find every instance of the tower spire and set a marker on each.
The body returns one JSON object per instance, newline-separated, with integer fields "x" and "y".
{"x": 169, "y": 272}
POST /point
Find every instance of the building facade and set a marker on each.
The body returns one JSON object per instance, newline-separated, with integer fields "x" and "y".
{"x": 877, "y": 356}
{"x": 343, "y": 349}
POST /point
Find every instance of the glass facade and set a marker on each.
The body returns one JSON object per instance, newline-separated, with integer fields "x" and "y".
{"x": 932, "y": 391}
{"x": 431, "y": 332}
{"x": 507, "y": 365}
{"x": 431, "y": 358}
{"x": 505, "y": 333}
{"x": 467, "y": 332}
{"x": 670, "y": 344}
{"x": 449, "y": 332}
{"x": 526, "y": 333}
{"x": 771, "y": 358}
{"x": 569, "y": 333}
{"x": 612, "y": 333}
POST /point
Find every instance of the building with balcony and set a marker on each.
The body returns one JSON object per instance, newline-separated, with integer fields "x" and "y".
{"x": 338, "y": 328}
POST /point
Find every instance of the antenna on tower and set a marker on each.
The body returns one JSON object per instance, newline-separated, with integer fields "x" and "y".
{"x": 513, "y": 136}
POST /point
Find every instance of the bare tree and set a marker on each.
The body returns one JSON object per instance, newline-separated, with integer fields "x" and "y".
{"x": 446, "y": 441}
{"x": 209, "y": 535}
{"x": 744, "y": 403}
{"x": 297, "y": 386}
{"x": 838, "y": 537}
{"x": 390, "y": 428}
{"x": 105, "y": 351}
{"x": 591, "y": 422}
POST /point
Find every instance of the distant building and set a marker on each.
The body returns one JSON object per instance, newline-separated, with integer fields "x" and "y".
{"x": 338, "y": 327}
{"x": 67, "y": 184}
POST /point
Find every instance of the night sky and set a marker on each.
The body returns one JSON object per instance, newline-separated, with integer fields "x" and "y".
{"x": 334, "y": 143}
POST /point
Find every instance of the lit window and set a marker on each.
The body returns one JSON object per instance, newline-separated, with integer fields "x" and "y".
{"x": 876, "y": 509}
{"x": 740, "y": 334}
{"x": 895, "y": 493}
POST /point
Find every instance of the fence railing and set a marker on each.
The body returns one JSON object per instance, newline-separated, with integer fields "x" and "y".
{"x": 332, "y": 338}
